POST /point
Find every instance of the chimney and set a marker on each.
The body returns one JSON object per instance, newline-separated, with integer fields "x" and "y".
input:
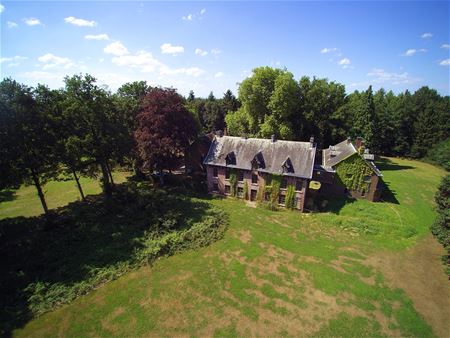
{"x": 273, "y": 138}
{"x": 349, "y": 140}
{"x": 311, "y": 141}
{"x": 359, "y": 142}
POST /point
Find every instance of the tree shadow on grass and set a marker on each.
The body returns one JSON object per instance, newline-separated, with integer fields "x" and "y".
{"x": 7, "y": 195}
{"x": 64, "y": 253}
{"x": 386, "y": 164}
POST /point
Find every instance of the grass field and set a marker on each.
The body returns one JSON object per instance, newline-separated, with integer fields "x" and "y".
{"x": 361, "y": 269}
{"x": 25, "y": 202}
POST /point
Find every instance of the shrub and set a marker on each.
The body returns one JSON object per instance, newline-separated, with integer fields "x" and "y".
{"x": 49, "y": 262}
{"x": 440, "y": 154}
{"x": 441, "y": 226}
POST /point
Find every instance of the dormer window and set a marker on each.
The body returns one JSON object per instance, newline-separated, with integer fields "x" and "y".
{"x": 230, "y": 159}
{"x": 287, "y": 166}
{"x": 258, "y": 162}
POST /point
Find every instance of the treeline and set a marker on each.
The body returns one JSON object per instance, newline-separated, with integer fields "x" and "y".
{"x": 210, "y": 112}
{"x": 273, "y": 102}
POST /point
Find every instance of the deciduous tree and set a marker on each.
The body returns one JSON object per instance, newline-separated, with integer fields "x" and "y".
{"x": 165, "y": 129}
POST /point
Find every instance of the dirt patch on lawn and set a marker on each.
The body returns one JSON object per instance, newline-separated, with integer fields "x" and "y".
{"x": 420, "y": 273}
{"x": 245, "y": 236}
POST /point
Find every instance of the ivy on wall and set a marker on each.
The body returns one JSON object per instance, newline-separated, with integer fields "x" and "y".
{"x": 351, "y": 173}
{"x": 273, "y": 190}
{"x": 260, "y": 193}
{"x": 290, "y": 197}
{"x": 245, "y": 191}
{"x": 233, "y": 182}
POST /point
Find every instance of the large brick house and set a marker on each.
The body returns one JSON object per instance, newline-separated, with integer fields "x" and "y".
{"x": 256, "y": 162}
{"x": 345, "y": 169}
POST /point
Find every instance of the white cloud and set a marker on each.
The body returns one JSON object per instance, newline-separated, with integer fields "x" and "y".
{"x": 145, "y": 62}
{"x": 219, "y": 74}
{"x": 116, "y": 48}
{"x": 11, "y": 59}
{"x": 80, "y": 22}
{"x": 426, "y": 35}
{"x": 216, "y": 51}
{"x": 51, "y": 61}
{"x": 445, "y": 62}
{"x": 381, "y": 76}
{"x": 191, "y": 71}
{"x": 2, "y": 8}
{"x": 39, "y": 76}
{"x": 32, "y": 21}
{"x": 142, "y": 60}
{"x": 328, "y": 50}
{"x": 200, "y": 52}
{"x": 446, "y": 46}
{"x": 344, "y": 62}
{"x": 413, "y": 51}
{"x": 11, "y": 24}
{"x": 192, "y": 17}
{"x": 97, "y": 37}
{"x": 167, "y": 48}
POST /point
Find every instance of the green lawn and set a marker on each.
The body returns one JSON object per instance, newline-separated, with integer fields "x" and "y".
{"x": 25, "y": 201}
{"x": 274, "y": 274}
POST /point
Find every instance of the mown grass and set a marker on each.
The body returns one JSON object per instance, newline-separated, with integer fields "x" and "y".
{"x": 25, "y": 202}
{"x": 274, "y": 274}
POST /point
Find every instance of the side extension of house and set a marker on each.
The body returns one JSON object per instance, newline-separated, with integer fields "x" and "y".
{"x": 347, "y": 168}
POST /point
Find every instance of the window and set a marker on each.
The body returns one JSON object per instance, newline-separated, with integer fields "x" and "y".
{"x": 296, "y": 202}
{"x": 363, "y": 193}
{"x": 227, "y": 173}
{"x": 298, "y": 185}
{"x": 230, "y": 158}
{"x": 254, "y": 178}
{"x": 227, "y": 189}
{"x": 240, "y": 175}
{"x": 240, "y": 192}
{"x": 367, "y": 179}
{"x": 283, "y": 184}
{"x": 268, "y": 180}
{"x": 281, "y": 199}
{"x": 215, "y": 187}
{"x": 215, "y": 172}
{"x": 253, "y": 195}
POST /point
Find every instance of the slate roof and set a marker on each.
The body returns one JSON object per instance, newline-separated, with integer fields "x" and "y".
{"x": 274, "y": 154}
{"x": 341, "y": 151}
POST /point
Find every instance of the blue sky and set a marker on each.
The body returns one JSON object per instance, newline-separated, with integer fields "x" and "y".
{"x": 207, "y": 46}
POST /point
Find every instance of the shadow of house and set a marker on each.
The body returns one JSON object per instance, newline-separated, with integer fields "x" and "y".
{"x": 336, "y": 204}
{"x": 388, "y": 194}
{"x": 42, "y": 258}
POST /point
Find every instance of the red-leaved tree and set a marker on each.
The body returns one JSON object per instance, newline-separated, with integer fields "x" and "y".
{"x": 165, "y": 129}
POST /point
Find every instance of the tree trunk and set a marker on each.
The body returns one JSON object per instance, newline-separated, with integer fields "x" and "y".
{"x": 109, "y": 172}
{"x": 37, "y": 184}
{"x": 137, "y": 170}
{"x": 78, "y": 184}
{"x": 105, "y": 179}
